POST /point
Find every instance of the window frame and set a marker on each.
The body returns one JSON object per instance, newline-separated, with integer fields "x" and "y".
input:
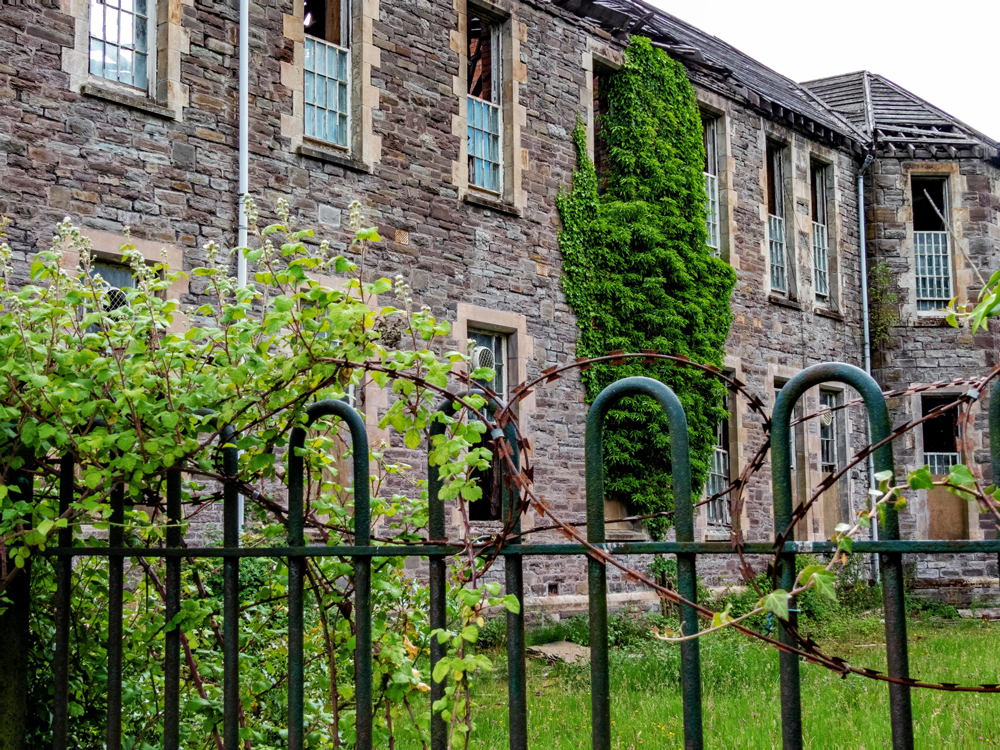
{"x": 823, "y": 276}
{"x": 501, "y": 340}
{"x": 345, "y": 57}
{"x": 494, "y": 106}
{"x": 829, "y": 437}
{"x": 149, "y": 90}
{"x": 713, "y": 214}
{"x": 780, "y": 274}
{"x": 720, "y": 470}
{"x": 930, "y": 248}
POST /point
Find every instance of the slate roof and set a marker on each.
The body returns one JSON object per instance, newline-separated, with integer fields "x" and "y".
{"x": 897, "y": 119}
{"x": 766, "y": 88}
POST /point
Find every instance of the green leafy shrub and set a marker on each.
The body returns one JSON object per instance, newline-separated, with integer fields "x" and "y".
{"x": 639, "y": 275}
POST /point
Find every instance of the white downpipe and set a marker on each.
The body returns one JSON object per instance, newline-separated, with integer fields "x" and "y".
{"x": 867, "y": 336}
{"x": 241, "y": 260}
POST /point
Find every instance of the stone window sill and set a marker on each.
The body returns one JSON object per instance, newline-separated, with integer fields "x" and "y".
{"x": 827, "y": 313}
{"x": 314, "y": 150}
{"x": 133, "y": 101}
{"x": 493, "y": 203}
{"x": 774, "y": 299}
{"x": 931, "y": 321}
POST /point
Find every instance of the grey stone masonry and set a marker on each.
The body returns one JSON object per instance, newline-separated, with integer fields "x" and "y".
{"x": 166, "y": 165}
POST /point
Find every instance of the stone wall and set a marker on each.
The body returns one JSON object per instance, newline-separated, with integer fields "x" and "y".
{"x": 108, "y": 161}
{"x": 923, "y": 348}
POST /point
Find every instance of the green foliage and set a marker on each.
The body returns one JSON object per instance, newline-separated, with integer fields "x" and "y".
{"x": 883, "y": 304}
{"x": 125, "y": 392}
{"x": 639, "y": 275}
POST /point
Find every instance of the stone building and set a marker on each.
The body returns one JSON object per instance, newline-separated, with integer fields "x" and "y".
{"x": 450, "y": 121}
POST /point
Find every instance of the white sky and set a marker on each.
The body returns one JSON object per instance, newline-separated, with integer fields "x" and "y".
{"x": 945, "y": 52}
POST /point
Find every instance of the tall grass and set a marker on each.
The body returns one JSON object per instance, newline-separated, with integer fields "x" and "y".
{"x": 741, "y": 706}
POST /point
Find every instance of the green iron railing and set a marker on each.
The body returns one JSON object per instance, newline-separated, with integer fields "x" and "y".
{"x": 889, "y": 549}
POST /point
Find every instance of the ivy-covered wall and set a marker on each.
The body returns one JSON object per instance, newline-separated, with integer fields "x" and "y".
{"x": 639, "y": 275}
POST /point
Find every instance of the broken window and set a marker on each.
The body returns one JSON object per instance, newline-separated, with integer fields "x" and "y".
{"x": 820, "y": 233}
{"x": 931, "y": 243}
{"x": 712, "y": 125}
{"x": 327, "y": 67}
{"x": 776, "y": 216}
{"x": 483, "y": 104}
{"x": 940, "y": 435}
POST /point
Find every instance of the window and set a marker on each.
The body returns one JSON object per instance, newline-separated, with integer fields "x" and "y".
{"x": 327, "y": 84}
{"x": 490, "y": 350}
{"x": 711, "y": 136}
{"x": 116, "y": 277}
{"x": 120, "y": 31}
{"x": 776, "y": 216}
{"x": 718, "y": 473}
{"x": 792, "y": 439}
{"x": 483, "y": 105}
{"x": 602, "y": 76}
{"x": 828, "y": 432}
{"x": 490, "y": 347}
{"x": 931, "y": 243}
{"x": 940, "y": 435}
{"x": 820, "y": 233}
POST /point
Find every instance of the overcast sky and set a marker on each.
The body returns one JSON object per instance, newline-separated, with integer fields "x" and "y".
{"x": 945, "y": 52}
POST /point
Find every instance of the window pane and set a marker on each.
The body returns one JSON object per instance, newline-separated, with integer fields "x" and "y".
{"x": 141, "y": 29}
{"x": 111, "y": 26}
{"x": 125, "y": 66}
{"x": 141, "y": 81}
{"x": 96, "y": 19}
{"x": 96, "y": 56}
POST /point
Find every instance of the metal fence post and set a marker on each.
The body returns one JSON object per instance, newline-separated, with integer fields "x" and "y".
{"x": 891, "y": 562}
{"x": 597, "y": 571}
{"x": 172, "y": 607}
{"x": 995, "y": 443}
{"x": 116, "y": 586}
{"x": 230, "y": 594}
{"x": 438, "y": 605}
{"x": 362, "y": 574}
{"x": 64, "y": 584}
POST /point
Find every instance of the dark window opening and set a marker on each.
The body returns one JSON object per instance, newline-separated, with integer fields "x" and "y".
{"x": 482, "y": 79}
{"x": 553, "y": 589}
{"x": 490, "y": 350}
{"x": 775, "y": 180}
{"x": 941, "y": 432}
{"x": 602, "y": 76}
{"x": 925, "y": 218}
{"x": 710, "y": 135}
{"x": 327, "y": 20}
{"x": 818, "y": 180}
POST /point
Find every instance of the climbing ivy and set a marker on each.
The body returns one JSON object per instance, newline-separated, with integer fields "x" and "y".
{"x": 639, "y": 275}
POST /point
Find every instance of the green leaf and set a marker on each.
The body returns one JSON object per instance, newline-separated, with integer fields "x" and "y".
{"x": 441, "y": 670}
{"x": 470, "y": 633}
{"x": 960, "y": 476}
{"x": 512, "y": 604}
{"x": 721, "y": 618}
{"x": 412, "y": 438}
{"x": 846, "y": 544}
{"x": 823, "y": 580}
{"x": 776, "y": 602}
{"x": 920, "y": 479}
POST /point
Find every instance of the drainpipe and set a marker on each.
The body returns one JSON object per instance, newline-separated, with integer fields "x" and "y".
{"x": 241, "y": 261}
{"x": 867, "y": 336}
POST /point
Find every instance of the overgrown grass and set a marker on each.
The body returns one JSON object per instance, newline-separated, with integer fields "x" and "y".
{"x": 741, "y": 705}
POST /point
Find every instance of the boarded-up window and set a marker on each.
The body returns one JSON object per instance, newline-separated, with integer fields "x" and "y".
{"x": 948, "y": 514}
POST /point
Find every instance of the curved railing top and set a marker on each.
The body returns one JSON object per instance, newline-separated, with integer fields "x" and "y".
{"x": 362, "y": 499}
{"x": 679, "y": 453}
